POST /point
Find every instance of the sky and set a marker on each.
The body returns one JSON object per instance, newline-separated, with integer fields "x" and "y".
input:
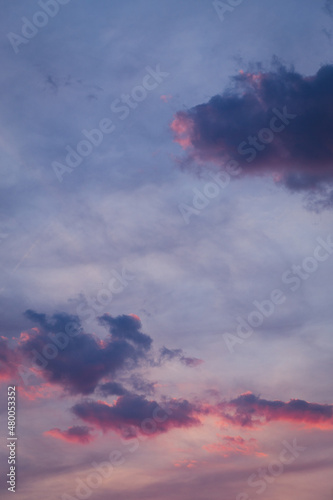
{"x": 166, "y": 248}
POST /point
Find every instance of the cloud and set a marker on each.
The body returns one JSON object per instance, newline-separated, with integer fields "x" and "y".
{"x": 234, "y": 445}
{"x": 78, "y": 361}
{"x": 42, "y": 391}
{"x": 75, "y": 434}
{"x": 132, "y": 413}
{"x": 169, "y": 354}
{"x": 126, "y": 327}
{"x": 249, "y": 410}
{"x": 278, "y": 123}
{"x": 320, "y": 199}
{"x": 328, "y": 7}
{"x": 188, "y": 464}
{"x": 113, "y": 389}
{"x": 191, "y": 362}
{"x": 140, "y": 385}
{"x": 135, "y": 381}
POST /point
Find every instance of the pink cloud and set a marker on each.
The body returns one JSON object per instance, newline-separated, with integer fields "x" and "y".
{"x": 76, "y": 434}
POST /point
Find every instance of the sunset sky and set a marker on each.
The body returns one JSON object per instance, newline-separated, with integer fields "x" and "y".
{"x": 167, "y": 249}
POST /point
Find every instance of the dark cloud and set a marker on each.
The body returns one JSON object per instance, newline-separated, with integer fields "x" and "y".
{"x": 249, "y": 410}
{"x": 77, "y": 360}
{"x": 54, "y": 324}
{"x": 113, "y": 389}
{"x": 126, "y": 327}
{"x": 132, "y": 413}
{"x": 276, "y": 122}
{"x": 76, "y": 434}
{"x": 140, "y": 385}
{"x": 328, "y": 7}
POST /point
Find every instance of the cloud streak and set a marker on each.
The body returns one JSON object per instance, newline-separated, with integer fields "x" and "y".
{"x": 76, "y": 434}
{"x": 248, "y": 410}
{"x": 169, "y": 354}
{"x": 234, "y": 445}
